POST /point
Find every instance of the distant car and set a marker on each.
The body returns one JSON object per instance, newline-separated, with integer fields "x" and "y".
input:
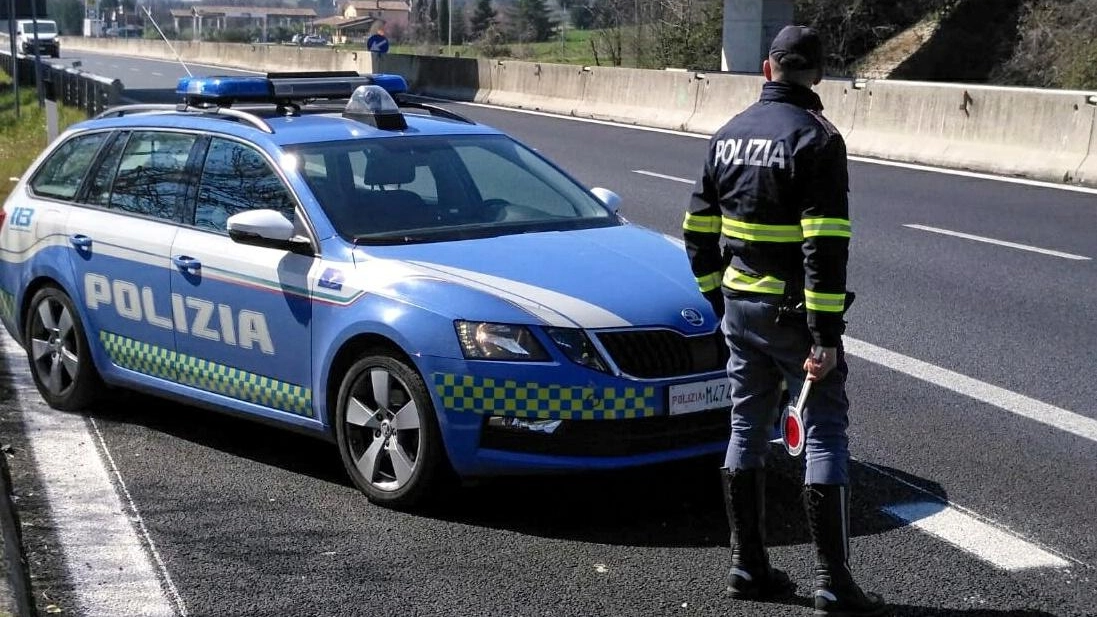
{"x": 125, "y": 32}
{"x": 312, "y": 40}
{"x": 425, "y": 291}
{"x": 41, "y": 36}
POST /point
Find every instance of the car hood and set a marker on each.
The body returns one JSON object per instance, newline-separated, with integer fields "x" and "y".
{"x": 612, "y": 277}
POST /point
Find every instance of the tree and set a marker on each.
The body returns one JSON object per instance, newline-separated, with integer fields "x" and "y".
{"x": 690, "y": 34}
{"x": 460, "y": 26}
{"x": 532, "y": 21}
{"x": 607, "y": 18}
{"x": 483, "y": 17}
{"x": 443, "y": 20}
{"x": 69, "y": 15}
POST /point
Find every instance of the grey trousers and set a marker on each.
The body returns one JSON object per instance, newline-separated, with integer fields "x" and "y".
{"x": 762, "y": 352}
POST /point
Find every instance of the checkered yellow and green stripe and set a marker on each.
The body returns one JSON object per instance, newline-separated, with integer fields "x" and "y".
{"x": 507, "y": 397}
{"x": 207, "y": 375}
{"x": 7, "y": 306}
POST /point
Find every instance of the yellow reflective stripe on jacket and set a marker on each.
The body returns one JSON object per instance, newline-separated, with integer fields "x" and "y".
{"x": 824, "y": 302}
{"x": 708, "y": 282}
{"x": 760, "y": 232}
{"x": 701, "y": 224}
{"x": 744, "y": 282}
{"x": 816, "y": 227}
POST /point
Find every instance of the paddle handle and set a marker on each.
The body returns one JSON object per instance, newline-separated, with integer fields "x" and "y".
{"x": 817, "y": 354}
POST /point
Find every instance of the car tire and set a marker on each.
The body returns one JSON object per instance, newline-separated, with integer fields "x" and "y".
{"x": 58, "y": 352}
{"x": 388, "y": 434}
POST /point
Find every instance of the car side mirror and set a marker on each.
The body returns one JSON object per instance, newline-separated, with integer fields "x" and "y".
{"x": 267, "y": 228}
{"x": 608, "y": 197}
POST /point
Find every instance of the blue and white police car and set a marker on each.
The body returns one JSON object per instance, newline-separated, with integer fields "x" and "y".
{"x": 325, "y": 252}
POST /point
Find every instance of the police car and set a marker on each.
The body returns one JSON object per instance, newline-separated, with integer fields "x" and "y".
{"x": 327, "y": 253}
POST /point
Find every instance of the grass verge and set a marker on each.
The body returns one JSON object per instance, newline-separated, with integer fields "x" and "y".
{"x": 23, "y": 138}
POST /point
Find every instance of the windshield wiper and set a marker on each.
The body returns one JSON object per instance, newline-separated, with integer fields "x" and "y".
{"x": 390, "y": 239}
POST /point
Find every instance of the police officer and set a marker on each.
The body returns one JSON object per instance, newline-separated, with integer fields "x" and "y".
{"x": 767, "y": 233}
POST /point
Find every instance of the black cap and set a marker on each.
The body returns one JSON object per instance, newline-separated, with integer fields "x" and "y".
{"x": 797, "y": 48}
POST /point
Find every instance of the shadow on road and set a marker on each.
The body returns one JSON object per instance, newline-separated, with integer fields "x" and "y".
{"x": 911, "y": 610}
{"x": 676, "y": 504}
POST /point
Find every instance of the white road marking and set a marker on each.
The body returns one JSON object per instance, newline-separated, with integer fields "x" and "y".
{"x": 106, "y": 558}
{"x": 1023, "y": 247}
{"x": 976, "y": 175}
{"x": 663, "y": 176}
{"x": 858, "y": 159}
{"x": 981, "y": 539}
{"x": 958, "y": 234}
{"x": 1019, "y": 404}
{"x": 157, "y": 74}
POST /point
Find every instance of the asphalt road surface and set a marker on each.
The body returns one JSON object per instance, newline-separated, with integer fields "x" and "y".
{"x": 974, "y": 430}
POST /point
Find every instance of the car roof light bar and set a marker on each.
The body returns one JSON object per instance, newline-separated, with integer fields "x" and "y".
{"x": 282, "y": 88}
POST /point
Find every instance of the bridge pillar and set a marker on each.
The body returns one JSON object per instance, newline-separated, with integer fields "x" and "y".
{"x": 749, "y": 28}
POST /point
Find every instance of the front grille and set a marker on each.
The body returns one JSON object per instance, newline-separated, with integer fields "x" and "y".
{"x": 615, "y": 437}
{"x": 656, "y": 354}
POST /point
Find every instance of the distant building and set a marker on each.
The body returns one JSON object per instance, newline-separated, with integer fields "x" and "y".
{"x": 242, "y": 17}
{"x": 358, "y": 19}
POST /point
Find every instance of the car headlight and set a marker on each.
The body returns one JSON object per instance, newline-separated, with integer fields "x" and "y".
{"x": 577, "y": 347}
{"x": 494, "y": 341}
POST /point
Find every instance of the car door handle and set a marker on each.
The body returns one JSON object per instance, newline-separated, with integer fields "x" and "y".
{"x": 80, "y": 241}
{"x": 186, "y": 263}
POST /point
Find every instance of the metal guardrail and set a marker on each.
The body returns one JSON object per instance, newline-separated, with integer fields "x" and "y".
{"x": 68, "y": 85}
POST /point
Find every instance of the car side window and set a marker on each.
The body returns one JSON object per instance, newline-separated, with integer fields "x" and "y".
{"x": 98, "y": 192}
{"x": 62, "y": 173}
{"x": 151, "y": 176}
{"x": 237, "y": 178}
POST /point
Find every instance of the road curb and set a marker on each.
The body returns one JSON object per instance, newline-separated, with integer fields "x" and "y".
{"x": 15, "y": 590}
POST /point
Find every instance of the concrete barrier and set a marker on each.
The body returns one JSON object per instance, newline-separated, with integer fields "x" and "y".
{"x": 841, "y": 102}
{"x": 720, "y": 97}
{"x": 555, "y": 88}
{"x": 458, "y": 79}
{"x": 1087, "y": 171}
{"x": 1041, "y": 134}
{"x": 664, "y": 99}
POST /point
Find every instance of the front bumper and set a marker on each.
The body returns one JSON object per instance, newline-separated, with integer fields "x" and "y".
{"x": 510, "y": 418}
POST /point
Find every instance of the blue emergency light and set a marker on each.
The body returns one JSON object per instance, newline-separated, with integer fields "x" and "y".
{"x": 282, "y": 88}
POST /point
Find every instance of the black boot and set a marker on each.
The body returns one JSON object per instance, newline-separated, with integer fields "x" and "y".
{"x": 836, "y": 594}
{"x": 750, "y": 577}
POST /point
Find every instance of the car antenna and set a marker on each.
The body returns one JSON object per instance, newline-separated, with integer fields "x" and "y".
{"x": 157, "y": 26}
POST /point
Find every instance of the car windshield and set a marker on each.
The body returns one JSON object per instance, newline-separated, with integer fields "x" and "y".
{"x": 439, "y": 188}
{"x": 44, "y": 27}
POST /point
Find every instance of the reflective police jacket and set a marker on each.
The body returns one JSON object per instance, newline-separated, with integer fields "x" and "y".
{"x": 770, "y": 214}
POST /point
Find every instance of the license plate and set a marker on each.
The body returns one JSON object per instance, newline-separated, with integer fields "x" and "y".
{"x": 699, "y": 396}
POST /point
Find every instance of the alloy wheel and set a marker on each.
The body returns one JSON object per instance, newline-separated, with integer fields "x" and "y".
{"x": 383, "y": 423}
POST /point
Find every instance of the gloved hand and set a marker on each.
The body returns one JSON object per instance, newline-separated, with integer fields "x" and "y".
{"x": 716, "y": 299}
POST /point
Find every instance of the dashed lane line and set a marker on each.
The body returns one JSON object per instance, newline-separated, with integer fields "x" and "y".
{"x": 111, "y": 560}
{"x": 1014, "y": 245}
{"x": 662, "y": 176}
{"x": 1017, "y": 404}
{"x": 981, "y": 539}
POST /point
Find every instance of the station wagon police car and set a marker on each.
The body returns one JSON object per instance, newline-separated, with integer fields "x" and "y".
{"x": 424, "y": 291}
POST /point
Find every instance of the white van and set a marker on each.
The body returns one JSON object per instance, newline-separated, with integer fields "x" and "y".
{"x": 49, "y": 40}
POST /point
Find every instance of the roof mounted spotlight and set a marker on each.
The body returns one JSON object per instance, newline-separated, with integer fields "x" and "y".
{"x": 373, "y": 105}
